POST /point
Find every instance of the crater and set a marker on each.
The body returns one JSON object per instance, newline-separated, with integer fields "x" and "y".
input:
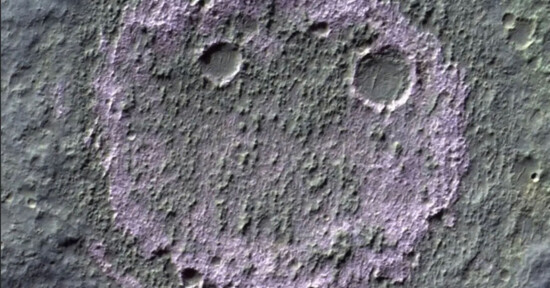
{"x": 221, "y": 62}
{"x": 31, "y": 203}
{"x": 381, "y": 77}
{"x": 526, "y": 170}
{"x": 319, "y": 29}
{"x": 190, "y": 277}
{"x": 535, "y": 177}
{"x": 508, "y": 20}
{"x": 216, "y": 260}
{"x": 521, "y": 33}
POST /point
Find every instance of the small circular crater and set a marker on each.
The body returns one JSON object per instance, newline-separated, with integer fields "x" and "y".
{"x": 31, "y": 203}
{"x": 221, "y": 62}
{"x": 8, "y": 199}
{"x": 216, "y": 260}
{"x": 381, "y": 77}
{"x": 522, "y": 32}
{"x": 319, "y": 29}
{"x": 202, "y": 4}
{"x": 190, "y": 276}
{"x": 535, "y": 177}
{"x": 505, "y": 275}
{"x": 508, "y": 20}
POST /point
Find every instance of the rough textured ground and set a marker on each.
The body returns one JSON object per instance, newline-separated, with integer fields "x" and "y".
{"x": 329, "y": 143}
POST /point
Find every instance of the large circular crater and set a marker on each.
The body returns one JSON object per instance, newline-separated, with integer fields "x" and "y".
{"x": 221, "y": 62}
{"x": 381, "y": 77}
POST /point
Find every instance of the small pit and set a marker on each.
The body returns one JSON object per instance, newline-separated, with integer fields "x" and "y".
{"x": 381, "y": 77}
{"x": 221, "y": 62}
{"x": 190, "y": 277}
{"x": 319, "y": 29}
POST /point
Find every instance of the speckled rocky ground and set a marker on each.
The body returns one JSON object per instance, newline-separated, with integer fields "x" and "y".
{"x": 275, "y": 143}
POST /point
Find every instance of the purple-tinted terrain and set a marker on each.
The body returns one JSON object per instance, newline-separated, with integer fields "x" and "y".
{"x": 397, "y": 190}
